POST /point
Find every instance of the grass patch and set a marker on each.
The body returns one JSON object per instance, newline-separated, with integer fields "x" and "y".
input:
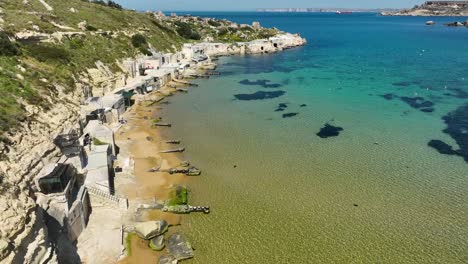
{"x": 48, "y": 53}
{"x": 98, "y": 142}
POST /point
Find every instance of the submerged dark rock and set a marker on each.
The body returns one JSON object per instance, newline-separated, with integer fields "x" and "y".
{"x": 260, "y": 95}
{"x": 388, "y": 96}
{"x": 263, "y": 83}
{"x": 459, "y": 93}
{"x": 442, "y": 147}
{"x": 303, "y": 105}
{"x": 402, "y": 84}
{"x": 329, "y": 131}
{"x": 418, "y": 103}
{"x": 457, "y": 128}
{"x": 289, "y": 115}
{"x": 281, "y": 107}
{"x": 427, "y": 110}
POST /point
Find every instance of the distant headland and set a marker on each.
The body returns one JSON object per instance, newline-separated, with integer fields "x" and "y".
{"x": 325, "y": 10}
{"x": 434, "y": 8}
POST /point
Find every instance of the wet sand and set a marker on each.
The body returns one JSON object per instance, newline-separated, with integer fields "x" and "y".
{"x": 141, "y": 143}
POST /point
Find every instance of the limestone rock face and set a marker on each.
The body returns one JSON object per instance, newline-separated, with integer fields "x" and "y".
{"x": 179, "y": 247}
{"x": 256, "y": 25}
{"x": 23, "y": 236}
{"x": 151, "y": 229}
{"x": 82, "y": 25}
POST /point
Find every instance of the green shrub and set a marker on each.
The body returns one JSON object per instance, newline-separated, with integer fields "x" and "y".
{"x": 214, "y": 23}
{"x": 267, "y": 34}
{"x": 114, "y": 5}
{"x": 138, "y": 40}
{"x": 186, "y": 31}
{"x": 223, "y": 31}
{"x": 48, "y": 53}
{"x": 7, "y": 48}
{"x": 163, "y": 28}
{"x": 76, "y": 43}
{"x": 145, "y": 51}
{"x": 90, "y": 28}
{"x": 247, "y": 29}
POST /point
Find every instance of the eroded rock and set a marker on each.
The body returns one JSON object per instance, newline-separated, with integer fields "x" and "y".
{"x": 151, "y": 229}
{"x": 179, "y": 247}
{"x": 167, "y": 259}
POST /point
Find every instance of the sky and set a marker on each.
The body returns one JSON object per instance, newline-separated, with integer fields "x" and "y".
{"x": 241, "y": 5}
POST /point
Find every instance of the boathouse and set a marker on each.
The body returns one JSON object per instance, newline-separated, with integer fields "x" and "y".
{"x": 100, "y": 168}
{"x": 63, "y": 198}
{"x": 107, "y": 109}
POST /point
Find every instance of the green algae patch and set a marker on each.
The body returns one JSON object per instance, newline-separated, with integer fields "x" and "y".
{"x": 156, "y": 120}
{"x": 178, "y": 196}
{"x": 128, "y": 243}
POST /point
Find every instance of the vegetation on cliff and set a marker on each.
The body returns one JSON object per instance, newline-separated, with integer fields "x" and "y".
{"x": 48, "y": 47}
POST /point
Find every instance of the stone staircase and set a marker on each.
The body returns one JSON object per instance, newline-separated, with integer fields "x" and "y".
{"x": 107, "y": 198}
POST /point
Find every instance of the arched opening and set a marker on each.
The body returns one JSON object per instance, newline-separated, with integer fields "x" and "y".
{"x": 275, "y": 45}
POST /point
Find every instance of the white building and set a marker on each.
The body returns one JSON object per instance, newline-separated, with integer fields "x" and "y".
{"x": 100, "y": 168}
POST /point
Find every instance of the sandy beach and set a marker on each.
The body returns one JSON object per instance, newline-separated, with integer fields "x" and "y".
{"x": 141, "y": 142}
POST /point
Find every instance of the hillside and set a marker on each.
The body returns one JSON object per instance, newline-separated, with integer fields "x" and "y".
{"x": 57, "y": 41}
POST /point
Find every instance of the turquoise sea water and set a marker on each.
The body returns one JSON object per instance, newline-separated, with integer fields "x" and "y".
{"x": 376, "y": 193}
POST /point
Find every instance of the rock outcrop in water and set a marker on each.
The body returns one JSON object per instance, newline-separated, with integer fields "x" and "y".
{"x": 157, "y": 243}
{"x": 179, "y": 247}
{"x": 151, "y": 229}
{"x": 167, "y": 259}
{"x": 457, "y": 24}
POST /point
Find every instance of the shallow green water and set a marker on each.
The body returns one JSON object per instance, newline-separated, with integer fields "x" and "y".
{"x": 377, "y": 193}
